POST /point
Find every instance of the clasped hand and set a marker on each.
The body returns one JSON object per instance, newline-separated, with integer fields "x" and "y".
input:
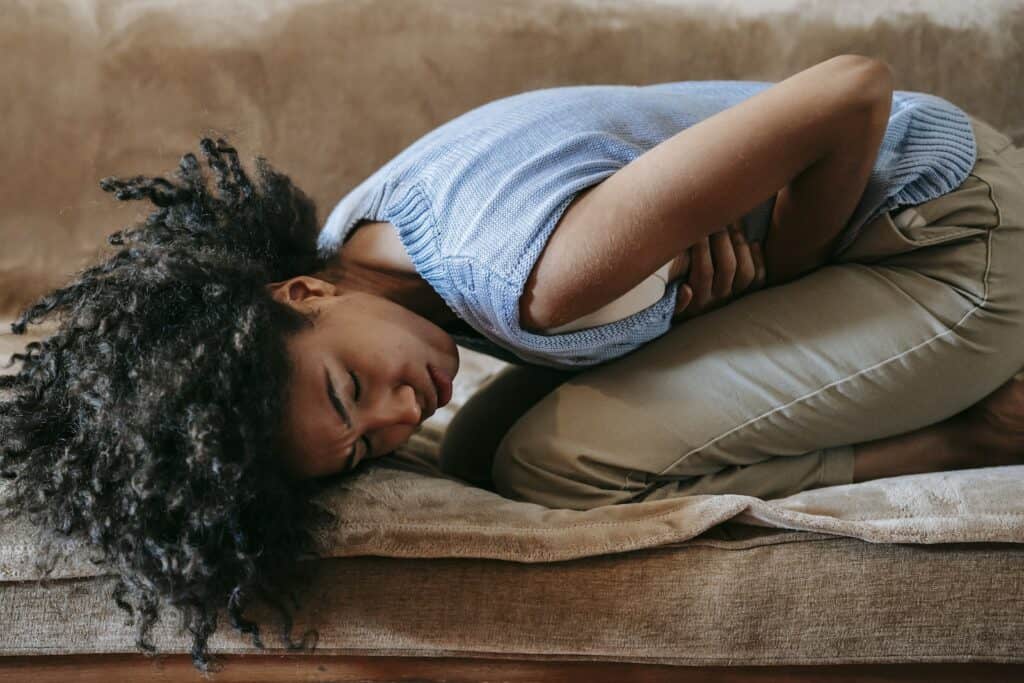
{"x": 722, "y": 267}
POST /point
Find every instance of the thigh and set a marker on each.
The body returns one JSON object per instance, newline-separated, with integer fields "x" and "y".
{"x": 913, "y": 333}
{"x": 472, "y": 436}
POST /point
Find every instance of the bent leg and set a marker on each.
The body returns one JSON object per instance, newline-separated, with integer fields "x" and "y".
{"x": 767, "y": 395}
{"x": 473, "y": 435}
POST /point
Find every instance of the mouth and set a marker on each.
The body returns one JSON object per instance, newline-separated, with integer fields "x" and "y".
{"x": 428, "y": 408}
{"x": 442, "y": 386}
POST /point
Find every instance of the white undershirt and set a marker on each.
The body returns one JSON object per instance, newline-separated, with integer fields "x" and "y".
{"x": 640, "y": 297}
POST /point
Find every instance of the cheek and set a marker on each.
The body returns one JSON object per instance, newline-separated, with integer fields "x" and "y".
{"x": 387, "y": 440}
{"x": 399, "y": 337}
{"x": 391, "y": 340}
{"x": 401, "y": 320}
{"x": 430, "y": 335}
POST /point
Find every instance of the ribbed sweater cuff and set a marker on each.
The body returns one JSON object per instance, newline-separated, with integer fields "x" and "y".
{"x": 411, "y": 214}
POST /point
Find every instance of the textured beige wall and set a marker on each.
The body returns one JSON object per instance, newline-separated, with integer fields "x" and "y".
{"x": 328, "y": 91}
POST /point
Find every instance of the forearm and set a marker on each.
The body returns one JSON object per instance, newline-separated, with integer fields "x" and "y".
{"x": 811, "y": 212}
{"x": 616, "y": 233}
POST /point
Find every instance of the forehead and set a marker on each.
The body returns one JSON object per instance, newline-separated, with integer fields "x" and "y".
{"x": 307, "y": 429}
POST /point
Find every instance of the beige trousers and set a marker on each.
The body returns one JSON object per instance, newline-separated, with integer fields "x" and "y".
{"x": 921, "y": 317}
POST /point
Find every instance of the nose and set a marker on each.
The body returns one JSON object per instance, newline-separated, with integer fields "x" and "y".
{"x": 397, "y": 407}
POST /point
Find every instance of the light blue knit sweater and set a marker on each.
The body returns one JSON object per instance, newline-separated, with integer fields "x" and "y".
{"x": 475, "y": 200}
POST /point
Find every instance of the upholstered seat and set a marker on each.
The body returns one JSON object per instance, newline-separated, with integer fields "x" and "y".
{"x": 327, "y": 92}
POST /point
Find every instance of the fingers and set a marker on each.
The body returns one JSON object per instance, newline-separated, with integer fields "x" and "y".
{"x": 757, "y": 252}
{"x": 730, "y": 247}
{"x": 746, "y": 269}
{"x": 683, "y": 298}
{"x": 724, "y": 262}
{"x": 680, "y": 266}
{"x": 702, "y": 273}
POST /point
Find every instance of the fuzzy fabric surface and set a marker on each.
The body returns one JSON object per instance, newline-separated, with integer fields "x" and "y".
{"x": 404, "y": 505}
{"x": 186, "y": 68}
{"x": 327, "y": 92}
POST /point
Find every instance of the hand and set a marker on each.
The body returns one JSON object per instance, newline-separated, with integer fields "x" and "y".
{"x": 723, "y": 267}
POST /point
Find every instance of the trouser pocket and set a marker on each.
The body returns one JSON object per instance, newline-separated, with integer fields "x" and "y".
{"x": 966, "y": 212}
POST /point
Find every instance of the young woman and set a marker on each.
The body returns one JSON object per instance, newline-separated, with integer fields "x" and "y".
{"x": 231, "y": 354}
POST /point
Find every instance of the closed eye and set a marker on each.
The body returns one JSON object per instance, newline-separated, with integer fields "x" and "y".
{"x": 355, "y": 382}
{"x": 367, "y": 449}
{"x": 339, "y": 408}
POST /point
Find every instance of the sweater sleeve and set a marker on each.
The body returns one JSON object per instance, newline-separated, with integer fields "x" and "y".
{"x": 475, "y": 201}
{"x": 475, "y": 207}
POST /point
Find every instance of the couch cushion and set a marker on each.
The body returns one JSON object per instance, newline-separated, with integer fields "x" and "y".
{"x": 830, "y": 601}
{"x": 329, "y": 91}
{"x": 403, "y": 505}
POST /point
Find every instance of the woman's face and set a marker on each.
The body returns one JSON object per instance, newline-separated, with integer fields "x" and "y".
{"x": 365, "y": 356}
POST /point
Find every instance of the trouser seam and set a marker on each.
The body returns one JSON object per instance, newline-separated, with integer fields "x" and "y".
{"x": 799, "y": 399}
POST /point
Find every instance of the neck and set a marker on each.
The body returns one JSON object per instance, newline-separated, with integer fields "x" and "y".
{"x": 405, "y": 289}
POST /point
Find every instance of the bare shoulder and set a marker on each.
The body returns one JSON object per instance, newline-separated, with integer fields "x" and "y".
{"x": 376, "y": 245}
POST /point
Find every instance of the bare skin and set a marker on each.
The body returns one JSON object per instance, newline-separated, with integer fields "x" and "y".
{"x": 717, "y": 270}
{"x": 988, "y": 434}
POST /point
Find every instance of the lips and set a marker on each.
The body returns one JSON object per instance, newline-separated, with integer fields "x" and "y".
{"x": 428, "y": 408}
{"x": 442, "y": 386}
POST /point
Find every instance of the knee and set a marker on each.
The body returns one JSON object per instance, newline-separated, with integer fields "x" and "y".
{"x": 537, "y": 465}
{"x": 518, "y": 471}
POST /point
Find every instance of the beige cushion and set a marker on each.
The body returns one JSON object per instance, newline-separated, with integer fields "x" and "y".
{"x": 327, "y": 92}
{"x": 781, "y": 599}
{"x": 405, "y": 505}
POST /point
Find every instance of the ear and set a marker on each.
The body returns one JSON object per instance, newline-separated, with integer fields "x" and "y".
{"x": 301, "y": 291}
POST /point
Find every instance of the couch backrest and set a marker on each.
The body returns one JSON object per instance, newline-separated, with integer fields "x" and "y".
{"x": 328, "y": 91}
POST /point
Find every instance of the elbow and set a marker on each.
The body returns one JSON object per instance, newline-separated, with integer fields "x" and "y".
{"x": 878, "y": 84}
{"x": 871, "y": 81}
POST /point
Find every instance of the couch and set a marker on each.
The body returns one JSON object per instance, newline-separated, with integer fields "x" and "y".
{"x": 477, "y": 585}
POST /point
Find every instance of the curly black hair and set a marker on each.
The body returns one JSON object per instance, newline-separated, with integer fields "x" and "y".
{"x": 146, "y": 424}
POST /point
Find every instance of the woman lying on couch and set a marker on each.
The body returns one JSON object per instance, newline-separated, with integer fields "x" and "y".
{"x": 206, "y": 378}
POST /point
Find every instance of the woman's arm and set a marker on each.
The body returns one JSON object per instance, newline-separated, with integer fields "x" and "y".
{"x": 811, "y": 212}
{"x": 617, "y": 233}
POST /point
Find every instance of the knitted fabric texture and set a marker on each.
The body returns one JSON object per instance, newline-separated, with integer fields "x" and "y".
{"x": 475, "y": 200}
